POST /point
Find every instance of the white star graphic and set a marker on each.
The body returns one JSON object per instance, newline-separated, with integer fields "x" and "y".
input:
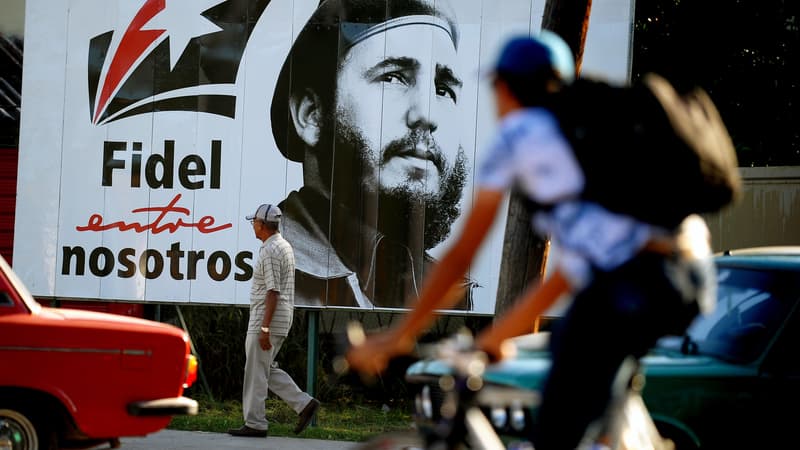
{"x": 182, "y": 21}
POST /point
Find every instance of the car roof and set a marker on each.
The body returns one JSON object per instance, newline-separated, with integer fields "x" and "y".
{"x": 785, "y": 257}
{"x": 785, "y": 250}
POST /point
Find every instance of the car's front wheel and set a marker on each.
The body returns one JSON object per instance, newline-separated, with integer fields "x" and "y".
{"x": 21, "y": 431}
{"x": 17, "y": 431}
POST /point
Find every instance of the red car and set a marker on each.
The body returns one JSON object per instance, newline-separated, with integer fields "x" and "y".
{"x": 80, "y": 378}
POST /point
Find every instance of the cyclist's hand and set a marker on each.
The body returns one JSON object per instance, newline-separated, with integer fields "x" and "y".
{"x": 372, "y": 356}
{"x": 496, "y": 348}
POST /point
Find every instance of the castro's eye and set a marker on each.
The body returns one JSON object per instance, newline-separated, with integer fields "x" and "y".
{"x": 444, "y": 90}
{"x": 392, "y": 78}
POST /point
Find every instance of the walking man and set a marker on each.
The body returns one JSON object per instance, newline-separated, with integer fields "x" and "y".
{"x": 271, "y": 313}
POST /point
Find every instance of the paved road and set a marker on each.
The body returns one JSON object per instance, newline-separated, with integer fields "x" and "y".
{"x": 200, "y": 440}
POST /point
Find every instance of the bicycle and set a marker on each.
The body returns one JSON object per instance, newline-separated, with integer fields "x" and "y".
{"x": 464, "y": 402}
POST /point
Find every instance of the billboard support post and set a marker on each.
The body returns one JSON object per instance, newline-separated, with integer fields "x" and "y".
{"x": 313, "y": 353}
{"x": 200, "y": 373}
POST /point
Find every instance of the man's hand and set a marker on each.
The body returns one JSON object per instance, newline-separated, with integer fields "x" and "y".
{"x": 263, "y": 341}
{"x": 496, "y": 347}
{"x": 519, "y": 320}
{"x": 372, "y": 355}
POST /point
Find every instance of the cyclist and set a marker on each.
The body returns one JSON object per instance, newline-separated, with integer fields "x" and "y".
{"x": 631, "y": 282}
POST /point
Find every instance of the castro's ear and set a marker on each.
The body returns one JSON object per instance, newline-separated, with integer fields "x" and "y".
{"x": 306, "y": 115}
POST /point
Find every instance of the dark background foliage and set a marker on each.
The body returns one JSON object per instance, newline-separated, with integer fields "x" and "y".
{"x": 744, "y": 53}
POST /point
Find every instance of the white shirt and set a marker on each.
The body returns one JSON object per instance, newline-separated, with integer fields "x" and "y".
{"x": 273, "y": 271}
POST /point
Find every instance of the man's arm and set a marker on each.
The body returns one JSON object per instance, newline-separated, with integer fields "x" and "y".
{"x": 437, "y": 292}
{"x": 270, "y": 303}
{"x": 519, "y": 319}
{"x": 441, "y": 287}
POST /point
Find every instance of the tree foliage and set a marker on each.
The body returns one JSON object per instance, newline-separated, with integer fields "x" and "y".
{"x": 744, "y": 53}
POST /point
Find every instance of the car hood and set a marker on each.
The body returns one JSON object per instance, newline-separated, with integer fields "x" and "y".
{"x": 525, "y": 371}
{"x": 78, "y": 329}
{"x": 97, "y": 318}
{"x": 528, "y": 369}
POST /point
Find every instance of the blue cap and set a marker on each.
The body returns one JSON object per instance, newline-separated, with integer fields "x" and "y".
{"x": 526, "y": 55}
{"x": 522, "y": 56}
{"x": 560, "y": 54}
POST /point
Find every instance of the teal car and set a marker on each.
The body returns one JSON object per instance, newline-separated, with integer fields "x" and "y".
{"x": 732, "y": 381}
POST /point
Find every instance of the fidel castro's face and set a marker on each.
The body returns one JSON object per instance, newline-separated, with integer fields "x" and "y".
{"x": 396, "y": 108}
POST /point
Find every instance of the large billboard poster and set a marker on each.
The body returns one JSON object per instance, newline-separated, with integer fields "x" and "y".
{"x": 151, "y": 128}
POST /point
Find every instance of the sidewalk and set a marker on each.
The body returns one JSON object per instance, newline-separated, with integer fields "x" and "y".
{"x": 201, "y": 440}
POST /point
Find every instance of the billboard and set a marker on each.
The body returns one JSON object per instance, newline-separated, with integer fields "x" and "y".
{"x": 151, "y": 128}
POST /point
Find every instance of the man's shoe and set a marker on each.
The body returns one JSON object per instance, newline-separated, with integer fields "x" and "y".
{"x": 306, "y": 415}
{"x": 246, "y": 431}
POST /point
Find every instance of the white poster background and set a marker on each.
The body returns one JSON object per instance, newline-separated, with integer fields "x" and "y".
{"x": 61, "y": 151}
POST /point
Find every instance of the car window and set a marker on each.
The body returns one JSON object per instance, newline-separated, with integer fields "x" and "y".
{"x": 782, "y": 359}
{"x": 5, "y": 300}
{"x": 11, "y": 283}
{"x": 751, "y": 306}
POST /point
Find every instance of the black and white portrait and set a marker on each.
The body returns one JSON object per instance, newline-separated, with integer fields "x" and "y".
{"x": 368, "y": 101}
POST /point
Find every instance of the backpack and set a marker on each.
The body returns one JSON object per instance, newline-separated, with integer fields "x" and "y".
{"x": 647, "y": 151}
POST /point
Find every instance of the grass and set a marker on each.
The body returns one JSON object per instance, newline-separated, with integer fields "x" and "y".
{"x": 340, "y": 421}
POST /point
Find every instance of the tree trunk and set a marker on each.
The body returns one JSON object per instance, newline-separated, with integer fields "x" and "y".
{"x": 524, "y": 252}
{"x": 570, "y": 20}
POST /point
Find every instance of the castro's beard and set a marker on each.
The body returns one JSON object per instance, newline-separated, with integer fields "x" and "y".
{"x": 400, "y": 206}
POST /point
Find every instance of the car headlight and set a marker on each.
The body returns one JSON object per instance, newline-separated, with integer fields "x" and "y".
{"x": 517, "y": 417}
{"x": 190, "y": 373}
{"x": 499, "y": 417}
{"x": 423, "y": 402}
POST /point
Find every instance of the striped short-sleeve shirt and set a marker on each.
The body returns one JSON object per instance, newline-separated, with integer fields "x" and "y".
{"x": 273, "y": 271}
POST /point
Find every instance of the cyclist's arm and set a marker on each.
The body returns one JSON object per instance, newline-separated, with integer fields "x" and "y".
{"x": 519, "y": 319}
{"x": 449, "y": 272}
{"x": 437, "y": 290}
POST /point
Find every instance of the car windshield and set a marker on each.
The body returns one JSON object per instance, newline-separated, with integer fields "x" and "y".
{"x": 26, "y": 296}
{"x": 752, "y": 304}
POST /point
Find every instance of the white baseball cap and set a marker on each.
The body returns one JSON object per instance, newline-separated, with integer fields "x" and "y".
{"x": 266, "y": 213}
